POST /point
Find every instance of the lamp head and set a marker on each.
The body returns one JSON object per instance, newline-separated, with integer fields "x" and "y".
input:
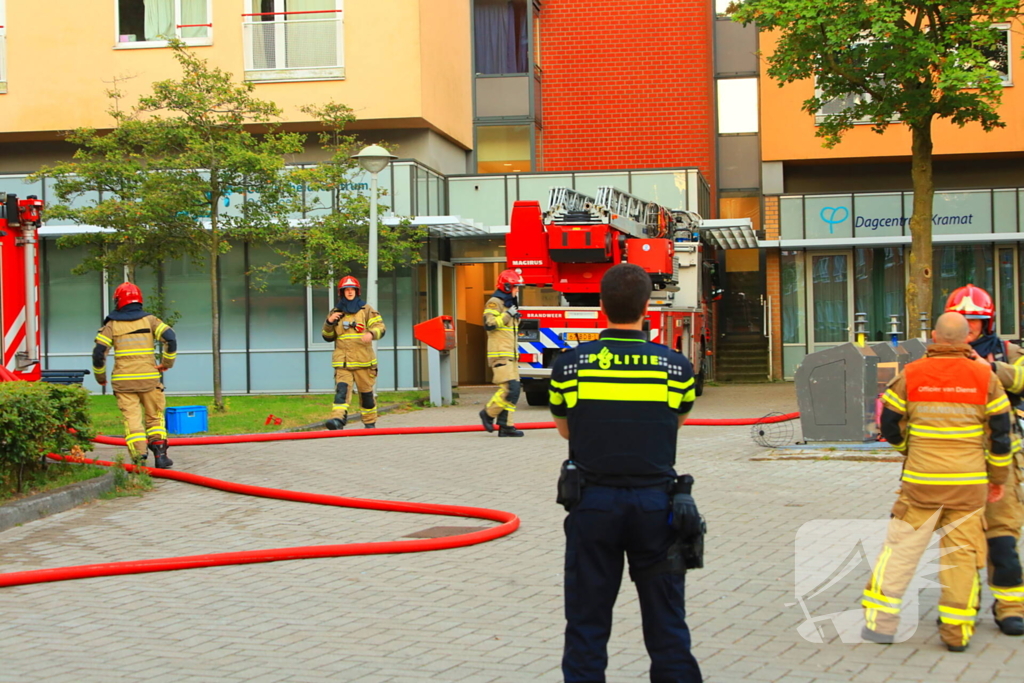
{"x": 374, "y": 158}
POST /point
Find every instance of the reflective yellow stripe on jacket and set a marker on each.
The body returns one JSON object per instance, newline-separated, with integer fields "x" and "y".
{"x": 932, "y": 432}
{"x": 945, "y": 479}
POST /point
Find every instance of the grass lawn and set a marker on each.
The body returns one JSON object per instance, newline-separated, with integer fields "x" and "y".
{"x": 54, "y": 476}
{"x": 248, "y": 414}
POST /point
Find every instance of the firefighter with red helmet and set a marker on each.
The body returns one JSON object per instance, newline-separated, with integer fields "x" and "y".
{"x": 1005, "y": 517}
{"x": 501, "y": 316}
{"x": 353, "y": 325}
{"x": 136, "y": 378}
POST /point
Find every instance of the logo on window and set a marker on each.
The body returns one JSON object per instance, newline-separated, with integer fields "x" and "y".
{"x": 834, "y": 215}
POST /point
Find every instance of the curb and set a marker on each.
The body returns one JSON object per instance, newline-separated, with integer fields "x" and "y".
{"x": 51, "y": 502}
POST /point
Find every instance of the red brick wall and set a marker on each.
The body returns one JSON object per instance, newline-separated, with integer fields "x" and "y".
{"x": 627, "y": 84}
{"x": 773, "y": 280}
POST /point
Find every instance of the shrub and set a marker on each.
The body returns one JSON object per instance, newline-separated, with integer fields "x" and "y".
{"x": 38, "y": 418}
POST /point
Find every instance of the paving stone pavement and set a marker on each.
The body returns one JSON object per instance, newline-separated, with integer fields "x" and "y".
{"x": 486, "y": 613}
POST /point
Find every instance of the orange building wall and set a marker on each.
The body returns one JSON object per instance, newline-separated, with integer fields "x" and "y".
{"x": 787, "y": 132}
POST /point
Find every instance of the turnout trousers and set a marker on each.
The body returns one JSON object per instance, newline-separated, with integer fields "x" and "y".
{"x": 347, "y": 380}
{"x": 1004, "y": 570}
{"x": 963, "y": 550}
{"x": 607, "y": 524}
{"x": 503, "y": 403}
{"x": 143, "y": 414}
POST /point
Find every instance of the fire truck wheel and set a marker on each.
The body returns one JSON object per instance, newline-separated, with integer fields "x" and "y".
{"x": 698, "y": 381}
{"x": 536, "y": 393}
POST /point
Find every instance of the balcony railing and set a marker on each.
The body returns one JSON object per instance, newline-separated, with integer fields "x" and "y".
{"x": 288, "y": 46}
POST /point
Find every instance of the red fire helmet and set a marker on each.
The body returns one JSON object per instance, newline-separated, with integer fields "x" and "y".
{"x": 508, "y": 279}
{"x": 349, "y": 281}
{"x": 973, "y": 303}
{"x": 127, "y": 293}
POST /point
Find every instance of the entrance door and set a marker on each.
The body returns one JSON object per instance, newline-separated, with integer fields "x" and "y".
{"x": 830, "y": 293}
{"x": 741, "y": 354}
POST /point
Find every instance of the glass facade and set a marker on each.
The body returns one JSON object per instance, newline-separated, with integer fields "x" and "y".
{"x": 270, "y": 337}
{"x": 820, "y": 285}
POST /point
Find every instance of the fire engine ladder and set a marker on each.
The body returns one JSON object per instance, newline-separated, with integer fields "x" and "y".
{"x": 569, "y": 207}
{"x": 657, "y": 220}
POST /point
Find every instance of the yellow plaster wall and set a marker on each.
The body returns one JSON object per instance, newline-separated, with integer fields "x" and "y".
{"x": 61, "y": 59}
{"x": 445, "y": 65}
{"x": 787, "y": 132}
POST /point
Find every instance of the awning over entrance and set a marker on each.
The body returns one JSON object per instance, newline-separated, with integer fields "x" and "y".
{"x": 451, "y": 226}
{"x": 729, "y": 233}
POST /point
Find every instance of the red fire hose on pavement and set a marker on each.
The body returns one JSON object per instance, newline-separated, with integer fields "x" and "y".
{"x": 390, "y": 431}
{"x": 508, "y": 521}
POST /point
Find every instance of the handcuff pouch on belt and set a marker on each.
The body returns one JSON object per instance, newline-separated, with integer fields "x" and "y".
{"x": 570, "y": 485}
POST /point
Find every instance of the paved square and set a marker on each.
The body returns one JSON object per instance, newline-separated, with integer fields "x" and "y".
{"x": 491, "y": 612}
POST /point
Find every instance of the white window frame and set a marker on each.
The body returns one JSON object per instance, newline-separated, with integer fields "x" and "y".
{"x": 149, "y": 44}
{"x": 1006, "y": 29}
{"x": 323, "y": 73}
{"x": 3, "y": 47}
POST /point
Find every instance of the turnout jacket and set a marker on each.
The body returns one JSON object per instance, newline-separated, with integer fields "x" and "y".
{"x": 622, "y": 396}
{"x": 1009, "y": 369}
{"x": 133, "y": 343}
{"x": 951, "y": 418}
{"x": 502, "y": 330}
{"x": 350, "y": 351}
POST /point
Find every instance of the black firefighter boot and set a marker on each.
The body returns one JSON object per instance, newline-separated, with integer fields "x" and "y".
{"x": 1011, "y": 626}
{"x": 503, "y": 428}
{"x": 337, "y": 422}
{"x": 159, "y": 449}
{"x": 487, "y": 420}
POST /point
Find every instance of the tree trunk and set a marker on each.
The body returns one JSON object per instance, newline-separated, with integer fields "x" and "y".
{"x": 919, "y": 287}
{"x": 218, "y": 394}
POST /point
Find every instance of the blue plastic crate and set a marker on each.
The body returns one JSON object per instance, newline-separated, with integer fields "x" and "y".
{"x": 186, "y": 419}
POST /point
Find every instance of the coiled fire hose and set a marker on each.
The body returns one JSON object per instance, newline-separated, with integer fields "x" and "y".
{"x": 508, "y": 522}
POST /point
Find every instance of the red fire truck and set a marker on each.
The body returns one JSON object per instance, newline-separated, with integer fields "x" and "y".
{"x": 569, "y": 247}
{"x": 19, "y": 287}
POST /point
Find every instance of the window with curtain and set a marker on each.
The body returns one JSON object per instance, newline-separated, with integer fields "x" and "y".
{"x": 500, "y": 36}
{"x": 829, "y": 283}
{"x": 148, "y": 21}
{"x": 878, "y": 289}
{"x": 793, "y": 315}
{"x": 957, "y": 265}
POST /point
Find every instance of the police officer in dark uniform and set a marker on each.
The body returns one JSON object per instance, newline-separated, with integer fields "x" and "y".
{"x": 620, "y": 401}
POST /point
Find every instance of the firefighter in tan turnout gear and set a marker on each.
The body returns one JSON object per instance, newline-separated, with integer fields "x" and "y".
{"x": 353, "y": 326}
{"x": 132, "y": 332}
{"x": 951, "y": 418}
{"x": 501, "y": 316}
{"x": 1004, "y": 518}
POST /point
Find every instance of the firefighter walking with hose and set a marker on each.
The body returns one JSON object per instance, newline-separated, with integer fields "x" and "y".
{"x": 501, "y": 320}
{"x": 353, "y": 325}
{"x": 1005, "y": 517}
{"x": 136, "y": 379}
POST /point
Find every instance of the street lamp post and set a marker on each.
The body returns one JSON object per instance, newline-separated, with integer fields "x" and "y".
{"x": 373, "y": 159}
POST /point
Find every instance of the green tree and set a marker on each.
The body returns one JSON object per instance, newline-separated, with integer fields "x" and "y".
{"x": 334, "y": 237}
{"x": 167, "y": 171}
{"x": 902, "y": 62}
